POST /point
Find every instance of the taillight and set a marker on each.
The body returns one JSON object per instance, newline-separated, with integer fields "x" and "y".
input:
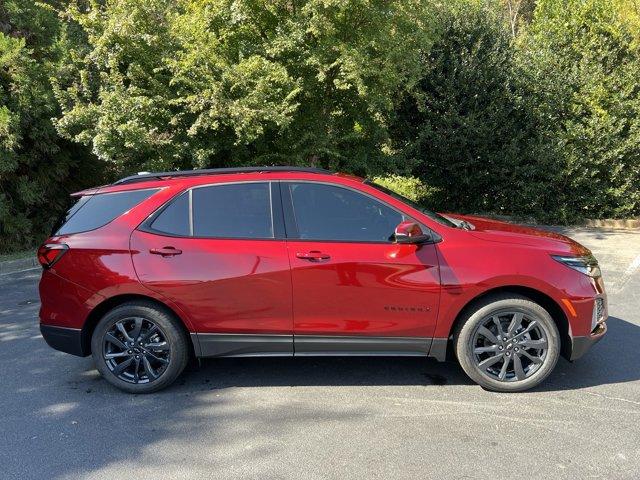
{"x": 50, "y": 253}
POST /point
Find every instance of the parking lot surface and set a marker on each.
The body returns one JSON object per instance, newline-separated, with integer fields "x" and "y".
{"x": 317, "y": 418}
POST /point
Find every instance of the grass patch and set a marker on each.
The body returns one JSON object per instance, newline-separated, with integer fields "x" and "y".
{"x": 17, "y": 255}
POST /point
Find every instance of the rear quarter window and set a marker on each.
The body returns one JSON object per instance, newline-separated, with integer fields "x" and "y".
{"x": 174, "y": 219}
{"x": 95, "y": 211}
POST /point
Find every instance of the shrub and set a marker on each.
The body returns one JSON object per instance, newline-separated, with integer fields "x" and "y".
{"x": 37, "y": 167}
{"x": 465, "y": 130}
{"x": 163, "y": 84}
{"x": 409, "y": 187}
{"x": 580, "y": 62}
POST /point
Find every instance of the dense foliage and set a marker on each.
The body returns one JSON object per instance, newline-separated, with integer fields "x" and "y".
{"x": 581, "y": 66}
{"x": 547, "y": 125}
{"x": 38, "y": 168}
{"x": 466, "y": 129}
{"x": 507, "y": 106}
{"x": 193, "y": 83}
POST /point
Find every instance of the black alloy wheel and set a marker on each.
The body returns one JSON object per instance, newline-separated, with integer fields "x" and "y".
{"x": 140, "y": 347}
{"x": 136, "y": 350}
{"x": 509, "y": 346}
{"x": 507, "y": 342}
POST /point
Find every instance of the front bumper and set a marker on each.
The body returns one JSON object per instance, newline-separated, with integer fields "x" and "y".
{"x": 581, "y": 345}
{"x": 68, "y": 340}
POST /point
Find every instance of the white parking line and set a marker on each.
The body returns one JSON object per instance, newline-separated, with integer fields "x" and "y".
{"x": 631, "y": 269}
{"x": 633, "y": 266}
{"x": 20, "y": 271}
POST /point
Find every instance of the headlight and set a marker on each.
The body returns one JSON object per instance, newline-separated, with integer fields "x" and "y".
{"x": 587, "y": 264}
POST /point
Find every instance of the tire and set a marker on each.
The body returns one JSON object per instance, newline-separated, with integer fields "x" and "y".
{"x": 158, "y": 356}
{"x": 533, "y": 344}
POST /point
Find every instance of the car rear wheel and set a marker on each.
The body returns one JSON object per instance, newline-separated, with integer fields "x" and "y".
{"x": 139, "y": 347}
{"x": 507, "y": 343}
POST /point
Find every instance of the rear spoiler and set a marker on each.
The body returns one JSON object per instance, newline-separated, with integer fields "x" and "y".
{"x": 88, "y": 191}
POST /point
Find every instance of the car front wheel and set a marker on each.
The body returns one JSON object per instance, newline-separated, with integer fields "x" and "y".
{"x": 507, "y": 343}
{"x": 139, "y": 347}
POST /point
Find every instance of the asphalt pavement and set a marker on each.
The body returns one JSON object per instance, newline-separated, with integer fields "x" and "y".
{"x": 325, "y": 418}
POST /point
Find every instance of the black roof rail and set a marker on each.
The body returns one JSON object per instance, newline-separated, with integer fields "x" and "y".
{"x": 145, "y": 176}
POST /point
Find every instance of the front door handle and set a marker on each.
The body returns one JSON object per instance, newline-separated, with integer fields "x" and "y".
{"x": 165, "y": 251}
{"x": 313, "y": 256}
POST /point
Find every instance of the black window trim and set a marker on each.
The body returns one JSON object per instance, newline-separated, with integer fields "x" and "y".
{"x": 154, "y": 190}
{"x": 291, "y": 223}
{"x": 282, "y": 215}
{"x": 275, "y": 204}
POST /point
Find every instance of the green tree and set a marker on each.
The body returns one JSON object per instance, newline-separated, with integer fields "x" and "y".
{"x": 504, "y": 106}
{"x": 168, "y": 84}
{"x": 465, "y": 129}
{"x": 35, "y": 164}
{"x": 581, "y": 65}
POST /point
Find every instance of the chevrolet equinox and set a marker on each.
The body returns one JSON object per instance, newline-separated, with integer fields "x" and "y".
{"x": 158, "y": 268}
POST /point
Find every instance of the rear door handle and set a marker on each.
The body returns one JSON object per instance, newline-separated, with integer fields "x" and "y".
{"x": 166, "y": 251}
{"x": 313, "y": 256}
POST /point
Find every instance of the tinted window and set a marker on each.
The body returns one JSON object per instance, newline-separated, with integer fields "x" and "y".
{"x": 241, "y": 210}
{"x": 432, "y": 215}
{"x": 94, "y": 211}
{"x": 77, "y": 205}
{"x": 174, "y": 219}
{"x": 326, "y": 212}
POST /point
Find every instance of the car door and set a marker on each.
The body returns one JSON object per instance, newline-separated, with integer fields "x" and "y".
{"x": 354, "y": 289}
{"x": 218, "y": 253}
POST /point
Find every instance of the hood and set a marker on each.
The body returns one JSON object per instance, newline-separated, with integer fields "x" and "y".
{"x": 503, "y": 232}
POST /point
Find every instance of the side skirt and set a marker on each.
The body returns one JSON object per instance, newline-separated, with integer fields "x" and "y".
{"x": 242, "y": 345}
{"x": 250, "y": 345}
{"x": 310, "y": 345}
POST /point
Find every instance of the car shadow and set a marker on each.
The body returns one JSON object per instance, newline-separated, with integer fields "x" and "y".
{"x": 61, "y": 408}
{"x": 612, "y": 360}
{"x": 325, "y": 371}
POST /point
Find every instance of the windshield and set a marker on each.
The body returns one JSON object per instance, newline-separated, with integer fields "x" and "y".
{"x": 432, "y": 215}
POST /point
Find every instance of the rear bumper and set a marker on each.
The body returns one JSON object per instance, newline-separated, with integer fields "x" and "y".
{"x": 581, "y": 345}
{"x": 68, "y": 340}
{"x": 64, "y": 303}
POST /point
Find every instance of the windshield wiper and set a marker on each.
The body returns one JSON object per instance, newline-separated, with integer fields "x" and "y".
{"x": 466, "y": 225}
{"x": 459, "y": 223}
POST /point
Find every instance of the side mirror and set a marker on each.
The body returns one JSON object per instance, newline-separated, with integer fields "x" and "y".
{"x": 410, "y": 232}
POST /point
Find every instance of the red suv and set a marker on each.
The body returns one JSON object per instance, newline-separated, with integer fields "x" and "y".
{"x": 281, "y": 261}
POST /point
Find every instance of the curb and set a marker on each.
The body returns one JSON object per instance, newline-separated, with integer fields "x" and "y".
{"x": 605, "y": 223}
{"x": 13, "y": 266}
{"x": 630, "y": 223}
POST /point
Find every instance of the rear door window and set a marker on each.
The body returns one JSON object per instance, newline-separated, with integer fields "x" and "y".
{"x": 241, "y": 210}
{"x": 95, "y": 211}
